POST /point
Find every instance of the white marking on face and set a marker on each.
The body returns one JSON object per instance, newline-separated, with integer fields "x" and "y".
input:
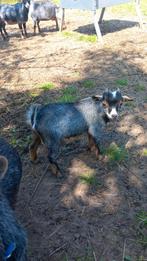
{"x": 27, "y": 5}
{"x": 114, "y": 94}
{"x": 113, "y": 114}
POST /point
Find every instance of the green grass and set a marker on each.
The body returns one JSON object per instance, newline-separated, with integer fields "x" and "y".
{"x": 88, "y": 84}
{"x": 47, "y": 86}
{"x": 68, "y": 95}
{"x": 89, "y": 179}
{"x": 142, "y": 228}
{"x": 80, "y": 37}
{"x": 116, "y": 153}
{"x": 129, "y": 9}
{"x": 142, "y": 218}
{"x": 121, "y": 82}
{"x": 130, "y": 104}
{"x": 144, "y": 152}
{"x": 139, "y": 88}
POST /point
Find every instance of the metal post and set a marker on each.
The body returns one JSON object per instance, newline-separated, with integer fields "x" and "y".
{"x": 138, "y": 11}
{"x": 97, "y": 28}
{"x": 101, "y": 15}
{"x": 62, "y": 19}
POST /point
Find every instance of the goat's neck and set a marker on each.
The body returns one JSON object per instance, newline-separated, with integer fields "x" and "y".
{"x": 105, "y": 118}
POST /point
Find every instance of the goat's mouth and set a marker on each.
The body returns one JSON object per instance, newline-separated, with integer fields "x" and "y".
{"x": 112, "y": 117}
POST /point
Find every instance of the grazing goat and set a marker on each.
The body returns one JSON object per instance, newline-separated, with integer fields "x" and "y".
{"x": 15, "y": 14}
{"x": 42, "y": 11}
{"x": 13, "y": 239}
{"x": 54, "y": 122}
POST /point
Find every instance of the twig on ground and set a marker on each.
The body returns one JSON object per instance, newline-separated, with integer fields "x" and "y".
{"x": 94, "y": 255}
{"x": 124, "y": 249}
{"x": 37, "y": 185}
{"x": 55, "y": 231}
{"x": 57, "y": 249}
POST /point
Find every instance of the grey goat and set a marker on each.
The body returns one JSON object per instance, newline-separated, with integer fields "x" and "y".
{"x": 42, "y": 11}
{"x": 54, "y": 122}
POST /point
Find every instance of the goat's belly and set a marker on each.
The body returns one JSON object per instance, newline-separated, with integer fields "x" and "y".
{"x": 10, "y": 22}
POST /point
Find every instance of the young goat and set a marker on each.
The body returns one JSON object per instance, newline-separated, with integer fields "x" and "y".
{"x": 12, "y": 236}
{"x": 54, "y": 122}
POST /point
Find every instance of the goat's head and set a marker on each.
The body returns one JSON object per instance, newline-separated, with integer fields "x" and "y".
{"x": 26, "y": 3}
{"x": 111, "y": 102}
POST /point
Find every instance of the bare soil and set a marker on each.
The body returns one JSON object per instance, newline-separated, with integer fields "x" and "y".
{"x": 68, "y": 219}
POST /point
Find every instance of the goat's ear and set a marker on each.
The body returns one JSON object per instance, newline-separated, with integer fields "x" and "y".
{"x": 127, "y": 98}
{"x": 97, "y": 97}
{"x": 3, "y": 166}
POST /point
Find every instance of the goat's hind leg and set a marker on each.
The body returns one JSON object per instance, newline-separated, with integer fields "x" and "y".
{"x": 34, "y": 146}
{"x": 24, "y": 29}
{"x": 53, "y": 153}
{"x": 2, "y": 34}
{"x": 57, "y": 26}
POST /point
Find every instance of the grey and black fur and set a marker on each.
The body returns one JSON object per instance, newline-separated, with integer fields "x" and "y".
{"x": 11, "y": 231}
{"x": 11, "y": 181}
{"x": 14, "y": 14}
{"x": 54, "y": 122}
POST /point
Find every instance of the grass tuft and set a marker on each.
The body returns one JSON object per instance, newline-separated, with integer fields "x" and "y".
{"x": 89, "y": 179}
{"x": 80, "y": 37}
{"x": 88, "y": 84}
{"x": 139, "y": 88}
{"x": 47, "y": 86}
{"x": 144, "y": 152}
{"x": 116, "y": 153}
{"x": 68, "y": 95}
{"x": 122, "y": 82}
{"x": 142, "y": 228}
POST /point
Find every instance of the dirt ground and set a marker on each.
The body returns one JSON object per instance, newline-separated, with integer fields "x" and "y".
{"x": 69, "y": 219}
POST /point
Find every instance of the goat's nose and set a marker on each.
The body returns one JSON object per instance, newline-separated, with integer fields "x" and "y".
{"x": 114, "y": 113}
{"x": 114, "y": 116}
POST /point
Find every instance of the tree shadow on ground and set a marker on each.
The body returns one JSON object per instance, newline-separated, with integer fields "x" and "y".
{"x": 106, "y": 27}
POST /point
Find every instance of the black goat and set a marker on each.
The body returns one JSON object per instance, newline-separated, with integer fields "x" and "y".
{"x": 15, "y": 14}
{"x": 13, "y": 239}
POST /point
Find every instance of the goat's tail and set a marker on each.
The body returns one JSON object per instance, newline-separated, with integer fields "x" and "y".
{"x": 32, "y": 114}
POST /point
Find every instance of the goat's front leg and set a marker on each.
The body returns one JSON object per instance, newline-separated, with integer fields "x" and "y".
{"x": 39, "y": 30}
{"x": 93, "y": 139}
{"x": 5, "y": 32}
{"x": 21, "y": 30}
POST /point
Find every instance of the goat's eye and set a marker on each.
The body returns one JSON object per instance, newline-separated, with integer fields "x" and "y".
{"x": 120, "y": 103}
{"x": 105, "y": 105}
